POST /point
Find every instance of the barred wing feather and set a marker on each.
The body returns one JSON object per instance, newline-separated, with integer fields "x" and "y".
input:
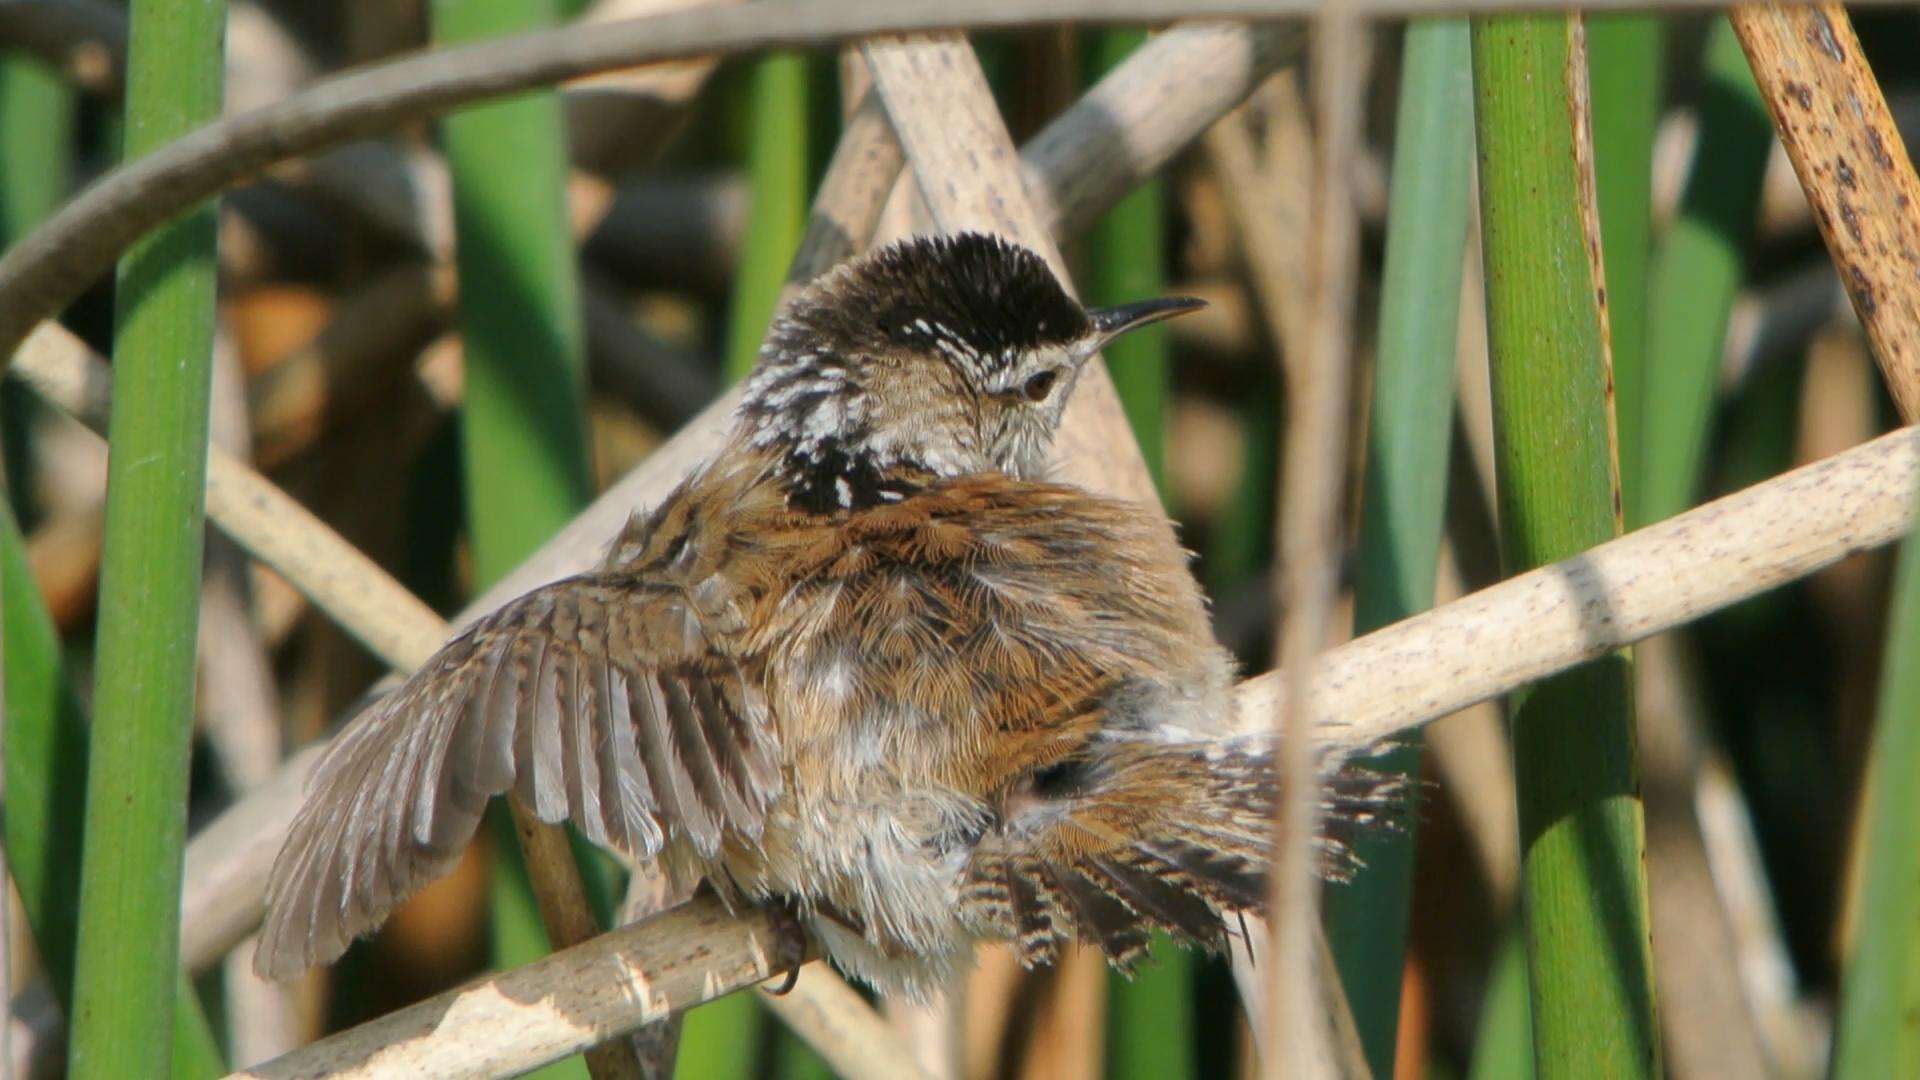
{"x": 600, "y": 701}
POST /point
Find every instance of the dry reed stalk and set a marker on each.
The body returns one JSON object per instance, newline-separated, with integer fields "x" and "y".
{"x": 932, "y": 1030}
{"x": 1474, "y": 763}
{"x": 992, "y": 1018}
{"x": 239, "y": 710}
{"x": 560, "y": 895}
{"x": 1300, "y": 980}
{"x": 1271, "y": 194}
{"x": 262, "y": 518}
{"x": 1847, "y": 153}
{"x": 1066, "y": 1032}
{"x": 239, "y": 704}
{"x": 36, "y": 1039}
{"x": 847, "y": 209}
{"x": 1474, "y": 767}
{"x": 1833, "y": 119}
{"x": 832, "y": 1017}
{"x": 558, "y": 1005}
{"x": 282, "y": 533}
{"x": 1269, "y": 197}
{"x": 649, "y": 892}
{"x": 342, "y": 370}
{"x": 1328, "y": 1011}
{"x": 1793, "y": 1028}
{"x": 617, "y": 122}
{"x": 226, "y": 863}
{"x": 1473, "y": 384}
{"x": 1840, "y": 406}
{"x": 1304, "y": 990}
{"x": 403, "y": 190}
{"x": 1707, "y": 1021}
{"x": 1612, "y": 595}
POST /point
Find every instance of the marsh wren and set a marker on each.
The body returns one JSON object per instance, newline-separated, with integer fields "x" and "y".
{"x": 866, "y": 661}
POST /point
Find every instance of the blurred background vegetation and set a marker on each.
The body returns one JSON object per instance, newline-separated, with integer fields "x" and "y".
{"x": 578, "y": 272}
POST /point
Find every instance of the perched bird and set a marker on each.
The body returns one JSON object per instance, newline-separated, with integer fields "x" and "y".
{"x": 867, "y": 662}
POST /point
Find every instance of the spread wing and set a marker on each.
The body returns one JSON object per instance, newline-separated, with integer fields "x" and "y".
{"x": 1140, "y": 833}
{"x": 601, "y": 700}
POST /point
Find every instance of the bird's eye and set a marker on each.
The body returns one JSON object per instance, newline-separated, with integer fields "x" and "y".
{"x": 1039, "y": 385}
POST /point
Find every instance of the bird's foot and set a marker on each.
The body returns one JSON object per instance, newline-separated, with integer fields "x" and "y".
{"x": 790, "y": 940}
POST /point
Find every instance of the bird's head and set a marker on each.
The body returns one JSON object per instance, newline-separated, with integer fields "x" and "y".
{"x": 948, "y": 355}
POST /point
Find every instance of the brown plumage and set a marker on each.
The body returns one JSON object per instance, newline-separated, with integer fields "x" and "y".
{"x": 865, "y": 661}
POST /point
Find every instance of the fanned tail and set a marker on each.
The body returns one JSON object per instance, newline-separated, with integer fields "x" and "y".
{"x": 1140, "y": 834}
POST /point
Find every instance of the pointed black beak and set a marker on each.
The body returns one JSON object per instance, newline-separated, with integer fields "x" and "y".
{"x": 1110, "y": 323}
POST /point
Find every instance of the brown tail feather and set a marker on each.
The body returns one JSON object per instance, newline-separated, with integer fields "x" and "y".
{"x": 1143, "y": 834}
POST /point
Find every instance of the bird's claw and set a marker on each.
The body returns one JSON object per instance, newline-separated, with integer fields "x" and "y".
{"x": 790, "y": 938}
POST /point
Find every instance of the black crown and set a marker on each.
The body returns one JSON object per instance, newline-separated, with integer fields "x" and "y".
{"x": 986, "y": 299}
